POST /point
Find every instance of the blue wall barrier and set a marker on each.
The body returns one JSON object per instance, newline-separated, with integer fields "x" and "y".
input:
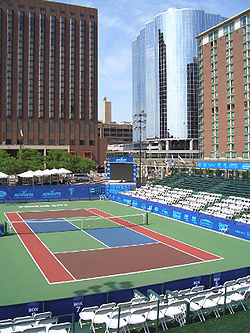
{"x": 66, "y": 306}
{"x": 237, "y": 229}
{"x": 50, "y": 192}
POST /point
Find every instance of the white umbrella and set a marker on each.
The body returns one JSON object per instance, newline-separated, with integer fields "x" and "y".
{"x": 63, "y": 171}
{"x": 3, "y": 175}
{"x": 38, "y": 173}
{"x": 26, "y": 174}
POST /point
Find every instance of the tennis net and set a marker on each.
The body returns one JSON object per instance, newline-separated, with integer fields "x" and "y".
{"x": 72, "y": 224}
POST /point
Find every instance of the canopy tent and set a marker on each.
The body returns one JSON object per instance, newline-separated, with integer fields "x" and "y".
{"x": 3, "y": 175}
{"x": 26, "y": 174}
{"x": 63, "y": 171}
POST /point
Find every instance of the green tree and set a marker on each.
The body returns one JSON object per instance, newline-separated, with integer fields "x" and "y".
{"x": 60, "y": 159}
{"x": 8, "y": 164}
{"x": 29, "y": 159}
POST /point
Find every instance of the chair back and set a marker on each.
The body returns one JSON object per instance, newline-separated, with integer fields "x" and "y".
{"x": 62, "y": 328}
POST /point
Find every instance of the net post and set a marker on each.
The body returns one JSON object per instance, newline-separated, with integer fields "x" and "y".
{"x": 147, "y": 218}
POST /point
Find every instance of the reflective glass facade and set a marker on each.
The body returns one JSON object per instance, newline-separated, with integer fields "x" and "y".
{"x": 164, "y": 72}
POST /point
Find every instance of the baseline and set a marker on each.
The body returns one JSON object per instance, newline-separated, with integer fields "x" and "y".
{"x": 47, "y": 262}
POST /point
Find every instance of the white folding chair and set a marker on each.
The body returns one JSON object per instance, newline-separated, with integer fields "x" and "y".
{"x": 138, "y": 318}
{"x": 37, "y": 329}
{"x": 86, "y": 315}
{"x": 118, "y": 320}
{"x": 42, "y": 315}
{"x": 210, "y": 304}
{"x": 196, "y": 306}
{"x": 157, "y": 313}
{"x": 47, "y": 322}
{"x": 23, "y": 324}
{"x": 176, "y": 310}
{"x": 7, "y": 327}
{"x": 60, "y": 328}
{"x": 100, "y": 318}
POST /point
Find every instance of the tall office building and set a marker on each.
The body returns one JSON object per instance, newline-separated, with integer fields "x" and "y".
{"x": 48, "y": 70}
{"x": 224, "y": 95}
{"x": 164, "y": 72}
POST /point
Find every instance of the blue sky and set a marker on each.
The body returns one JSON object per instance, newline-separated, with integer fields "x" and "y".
{"x": 119, "y": 23}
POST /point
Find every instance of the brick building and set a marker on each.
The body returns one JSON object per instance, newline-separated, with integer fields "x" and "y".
{"x": 48, "y": 65}
{"x": 224, "y": 89}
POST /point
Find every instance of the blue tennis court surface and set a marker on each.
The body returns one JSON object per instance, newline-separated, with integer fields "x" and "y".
{"x": 114, "y": 237}
{"x": 50, "y": 225}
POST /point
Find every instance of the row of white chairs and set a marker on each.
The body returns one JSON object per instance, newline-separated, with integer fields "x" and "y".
{"x": 143, "y": 312}
{"x": 38, "y": 323}
{"x": 245, "y": 218}
{"x": 207, "y": 203}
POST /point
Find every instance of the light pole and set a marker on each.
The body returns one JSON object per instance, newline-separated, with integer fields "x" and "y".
{"x": 139, "y": 122}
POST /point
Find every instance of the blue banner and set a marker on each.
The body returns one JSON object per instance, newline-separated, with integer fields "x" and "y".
{"x": 237, "y": 229}
{"x": 121, "y": 159}
{"x": 224, "y": 165}
{"x": 50, "y": 192}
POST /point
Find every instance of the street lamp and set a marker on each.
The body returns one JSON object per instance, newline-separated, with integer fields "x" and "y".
{"x": 139, "y": 122}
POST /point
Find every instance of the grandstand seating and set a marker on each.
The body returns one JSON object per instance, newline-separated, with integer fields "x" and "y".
{"x": 224, "y": 186}
{"x": 204, "y": 202}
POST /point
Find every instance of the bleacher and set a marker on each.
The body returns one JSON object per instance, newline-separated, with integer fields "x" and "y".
{"x": 224, "y": 186}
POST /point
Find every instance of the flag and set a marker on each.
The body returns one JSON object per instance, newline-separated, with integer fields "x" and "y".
{"x": 21, "y": 132}
{"x": 166, "y": 162}
{"x": 181, "y": 159}
{"x": 172, "y": 160}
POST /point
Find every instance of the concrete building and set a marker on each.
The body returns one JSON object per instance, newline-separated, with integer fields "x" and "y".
{"x": 48, "y": 64}
{"x": 224, "y": 89}
{"x": 115, "y": 133}
{"x": 164, "y": 73}
{"x": 106, "y": 111}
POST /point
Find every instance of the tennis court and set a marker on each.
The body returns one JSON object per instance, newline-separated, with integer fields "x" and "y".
{"x": 75, "y": 248}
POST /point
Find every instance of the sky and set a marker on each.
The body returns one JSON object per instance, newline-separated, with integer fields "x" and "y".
{"x": 119, "y": 22}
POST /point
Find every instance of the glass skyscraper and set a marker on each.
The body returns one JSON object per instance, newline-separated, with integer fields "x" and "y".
{"x": 165, "y": 70}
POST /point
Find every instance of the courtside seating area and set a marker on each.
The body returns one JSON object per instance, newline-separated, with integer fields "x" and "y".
{"x": 204, "y": 202}
{"x": 173, "y": 308}
{"x": 38, "y": 323}
{"x": 144, "y": 312}
{"x": 161, "y": 194}
{"x": 230, "y": 208}
{"x": 198, "y": 201}
{"x": 224, "y": 186}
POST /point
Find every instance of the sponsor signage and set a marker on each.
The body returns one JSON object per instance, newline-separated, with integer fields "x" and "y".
{"x": 121, "y": 159}
{"x": 224, "y": 165}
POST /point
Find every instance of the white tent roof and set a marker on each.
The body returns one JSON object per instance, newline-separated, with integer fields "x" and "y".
{"x": 38, "y": 173}
{"x": 26, "y": 174}
{"x": 63, "y": 171}
{"x": 3, "y": 175}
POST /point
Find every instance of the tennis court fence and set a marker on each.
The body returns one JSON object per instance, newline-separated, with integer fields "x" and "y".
{"x": 74, "y": 224}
